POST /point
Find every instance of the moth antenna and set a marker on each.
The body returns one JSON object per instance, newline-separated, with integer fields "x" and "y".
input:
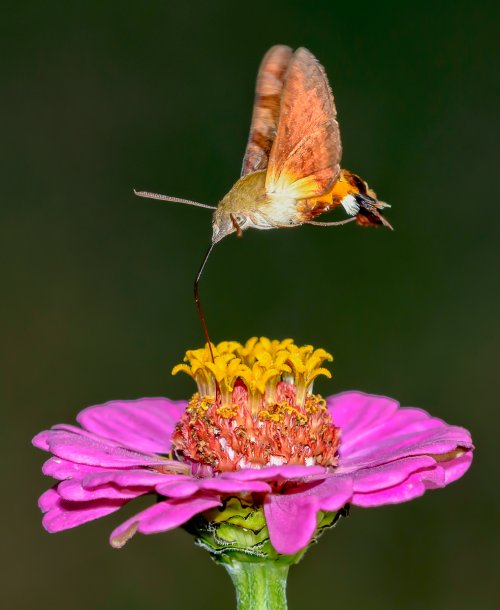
{"x": 330, "y": 224}
{"x": 149, "y": 195}
{"x": 197, "y": 300}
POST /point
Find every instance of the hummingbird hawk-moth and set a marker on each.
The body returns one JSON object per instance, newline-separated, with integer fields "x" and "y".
{"x": 291, "y": 169}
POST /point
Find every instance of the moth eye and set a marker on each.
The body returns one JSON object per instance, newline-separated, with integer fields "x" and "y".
{"x": 240, "y": 219}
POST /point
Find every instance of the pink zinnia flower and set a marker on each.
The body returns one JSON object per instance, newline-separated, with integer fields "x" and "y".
{"x": 254, "y": 434}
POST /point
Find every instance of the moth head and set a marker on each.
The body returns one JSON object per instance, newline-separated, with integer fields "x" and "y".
{"x": 224, "y": 223}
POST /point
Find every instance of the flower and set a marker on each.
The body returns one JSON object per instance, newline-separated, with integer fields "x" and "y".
{"x": 254, "y": 450}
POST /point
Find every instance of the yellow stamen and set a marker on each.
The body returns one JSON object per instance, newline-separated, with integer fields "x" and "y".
{"x": 260, "y": 364}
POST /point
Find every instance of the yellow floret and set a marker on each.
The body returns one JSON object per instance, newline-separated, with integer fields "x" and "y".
{"x": 260, "y": 363}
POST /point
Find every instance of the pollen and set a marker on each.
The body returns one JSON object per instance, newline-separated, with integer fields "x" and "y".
{"x": 255, "y": 407}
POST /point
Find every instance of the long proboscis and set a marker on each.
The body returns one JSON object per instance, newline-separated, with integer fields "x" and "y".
{"x": 159, "y": 197}
{"x": 197, "y": 299}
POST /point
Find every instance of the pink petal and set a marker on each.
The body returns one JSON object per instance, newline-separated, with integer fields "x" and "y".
{"x": 62, "y": 514}
{"x": 48, "y": 499}
{"x": 73, "y": 490}
{"x": 221, "y": 485}
{"x": 413, "y": 487}
{"x": 375, "y": 430}
{"x": 454, "y": 469}
{"x": 129, "y": 478}
{"x": 146, "y": 424}
{"x": 63, "y": 469}
{"x": 292, "y": 517}
{"x": 161, "y": 517}
{"x": 83, "y": 450}
{"x": 41, "y": 440}
{"x": 178, "y": 489}
{"x": 275, "y": 473}
{"x": 291, "y": 522}
{"x": 182, "y": 489}
{"x": 388, "y": 475}
{"x": 356, "y": 412}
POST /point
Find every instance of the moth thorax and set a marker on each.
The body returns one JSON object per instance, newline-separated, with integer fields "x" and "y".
{"x": 245, "y": 194}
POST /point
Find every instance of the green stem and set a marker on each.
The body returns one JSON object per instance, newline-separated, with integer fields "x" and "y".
{"x": 260, "y": 585}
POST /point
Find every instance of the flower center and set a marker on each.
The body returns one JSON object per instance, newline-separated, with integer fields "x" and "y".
{"x": 255, "y": 407}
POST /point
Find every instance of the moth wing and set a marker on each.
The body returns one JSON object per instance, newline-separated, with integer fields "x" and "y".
{"x": 266, "y": 108}
{"x": 305, "y": 156}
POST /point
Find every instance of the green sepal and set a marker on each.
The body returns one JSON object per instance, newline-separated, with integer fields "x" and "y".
{"x": 237, "y": 531}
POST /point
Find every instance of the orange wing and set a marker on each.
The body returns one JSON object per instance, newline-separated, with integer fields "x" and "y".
{"x": 266, "y": 108}
{"x": 304, "y": 159}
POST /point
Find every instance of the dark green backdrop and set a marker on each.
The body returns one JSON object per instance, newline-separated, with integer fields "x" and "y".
{"x": 100, "y": 97}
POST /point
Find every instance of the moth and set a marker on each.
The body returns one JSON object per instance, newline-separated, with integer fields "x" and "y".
{"x": 291, "y": 169}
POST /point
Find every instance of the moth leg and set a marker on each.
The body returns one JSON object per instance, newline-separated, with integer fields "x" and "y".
{"x": 329, "y": 224}
{"x": 239, "y": 231}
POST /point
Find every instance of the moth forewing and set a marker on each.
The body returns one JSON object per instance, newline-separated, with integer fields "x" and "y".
{"x": 307, "y": 148}
{"x": 270, "y": 79}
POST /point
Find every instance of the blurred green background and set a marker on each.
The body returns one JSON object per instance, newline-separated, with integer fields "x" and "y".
{"x": 101, "y": 97}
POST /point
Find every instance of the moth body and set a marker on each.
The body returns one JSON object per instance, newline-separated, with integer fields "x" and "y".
{"x": 291, "y": 169}
{"x": 248, "y": 205}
